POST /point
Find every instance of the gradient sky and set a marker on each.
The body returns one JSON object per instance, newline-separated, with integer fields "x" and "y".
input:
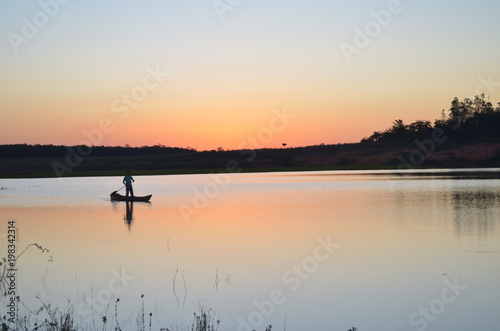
{"x": 225, "y": 77}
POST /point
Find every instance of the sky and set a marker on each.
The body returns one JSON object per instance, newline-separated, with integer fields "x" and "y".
{"x": 237, "y": 73}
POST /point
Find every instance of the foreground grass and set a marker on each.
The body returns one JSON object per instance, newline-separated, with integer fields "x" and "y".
{"x": 50, "y": 318}
{"x": 64, "y": 320}
{"x": 203, "y": 320}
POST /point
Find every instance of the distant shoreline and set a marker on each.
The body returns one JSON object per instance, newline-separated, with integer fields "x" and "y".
{"x": 140, "y": 161}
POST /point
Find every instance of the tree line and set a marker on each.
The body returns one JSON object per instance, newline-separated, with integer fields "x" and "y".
{"x": 37, "y": 150}
{"x": 467, "y": 120}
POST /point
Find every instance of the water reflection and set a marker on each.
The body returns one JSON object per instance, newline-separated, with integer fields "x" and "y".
{"x": 398, "y": 238}
{"x": 475, "y": 212}
{"x": 129, "y": 214}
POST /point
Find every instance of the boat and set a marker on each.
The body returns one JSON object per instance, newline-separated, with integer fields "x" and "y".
{"x": 118, "y": 197}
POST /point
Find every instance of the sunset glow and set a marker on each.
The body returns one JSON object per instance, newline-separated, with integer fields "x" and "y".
{"x": 188, "y": 73}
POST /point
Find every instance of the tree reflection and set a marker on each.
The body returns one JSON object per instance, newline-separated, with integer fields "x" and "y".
{"x": 475, "y": 212}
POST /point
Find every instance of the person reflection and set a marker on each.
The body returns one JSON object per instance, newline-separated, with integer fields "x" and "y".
{"x": 129, "y": 213}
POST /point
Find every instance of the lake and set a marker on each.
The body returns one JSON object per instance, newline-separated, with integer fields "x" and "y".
{"x": 377, "y": 250}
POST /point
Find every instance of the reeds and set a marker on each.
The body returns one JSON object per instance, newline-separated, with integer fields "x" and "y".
{"x": 63, "y": 320}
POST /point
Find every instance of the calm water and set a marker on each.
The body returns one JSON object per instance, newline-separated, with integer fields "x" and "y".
{"x": 312, "y": 250}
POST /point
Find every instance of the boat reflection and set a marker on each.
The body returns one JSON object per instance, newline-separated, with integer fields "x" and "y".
{"x": 128, "y": 217}
{"x": 129, "y": 214}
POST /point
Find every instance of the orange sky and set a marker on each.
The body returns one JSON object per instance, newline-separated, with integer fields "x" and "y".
{"x": 225, "y": 76}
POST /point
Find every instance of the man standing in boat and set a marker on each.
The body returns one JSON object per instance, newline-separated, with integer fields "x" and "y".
{"x": 127, "y": 181}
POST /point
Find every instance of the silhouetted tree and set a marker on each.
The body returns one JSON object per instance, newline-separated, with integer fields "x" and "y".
{"x": 467, "y": 120}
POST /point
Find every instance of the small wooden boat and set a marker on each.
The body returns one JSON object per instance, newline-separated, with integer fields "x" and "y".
{"x": 118, "y": 197}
